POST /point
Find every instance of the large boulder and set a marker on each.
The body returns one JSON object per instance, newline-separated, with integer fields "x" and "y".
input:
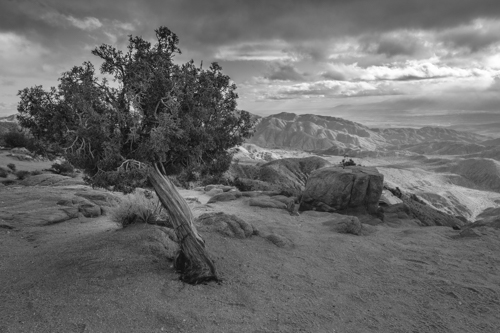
{"x": 225, "y": 196}
{"x": 287, "y": 176}
{"x": 350, "y": 189}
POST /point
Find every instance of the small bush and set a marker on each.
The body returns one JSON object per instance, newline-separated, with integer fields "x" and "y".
{"x": 3, "y": 173}
{"x": 36, "y": 172}
{"x": 12, "y": 166}
{"x": 15, "y": 139}
{"x": 139, "y": 208}
{"x": 22, "y": 174}
{"x": 63, "y": 168}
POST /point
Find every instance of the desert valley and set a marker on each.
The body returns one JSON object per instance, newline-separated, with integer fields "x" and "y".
{"x": 425, "y": 261}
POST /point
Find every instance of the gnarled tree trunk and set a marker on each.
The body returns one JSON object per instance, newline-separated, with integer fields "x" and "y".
{"x": 193, "y": 260}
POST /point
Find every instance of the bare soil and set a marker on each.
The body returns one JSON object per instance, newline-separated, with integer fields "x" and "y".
{"x": 88, "y": 275}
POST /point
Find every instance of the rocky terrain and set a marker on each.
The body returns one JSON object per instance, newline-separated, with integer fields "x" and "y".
{"x": 452, "y": 171}
{"x": 315, "y": 272}
{"x": 416, "y": 252}
{"x": 323, "y": 134}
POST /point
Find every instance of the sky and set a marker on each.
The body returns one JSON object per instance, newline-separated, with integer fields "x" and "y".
{"x": 384, "y": 63}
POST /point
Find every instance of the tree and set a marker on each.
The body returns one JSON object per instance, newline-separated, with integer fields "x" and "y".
{"x": 155, "y": 119}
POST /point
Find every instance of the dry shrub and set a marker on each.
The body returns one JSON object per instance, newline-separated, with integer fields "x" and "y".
{"x": 22, "y": 174}
{"x": 139, "y": 207}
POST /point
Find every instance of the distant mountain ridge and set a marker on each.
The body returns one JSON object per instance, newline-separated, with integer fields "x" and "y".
{"x": 337, "y": 135}
{"x": 12, "y": 118}
{"x": 312, "y": 132}
{"x": 8, "y": 124}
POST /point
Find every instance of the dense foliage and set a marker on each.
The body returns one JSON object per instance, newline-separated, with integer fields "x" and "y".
{"x": 181, "y": 117}
{"x": 17, "y": 139}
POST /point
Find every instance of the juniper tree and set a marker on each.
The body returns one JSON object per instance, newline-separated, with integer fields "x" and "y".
{"x": 151, "y": 118}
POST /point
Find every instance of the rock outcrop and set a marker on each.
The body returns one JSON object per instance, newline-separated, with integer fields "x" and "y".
{"x": 40, "y": 206}
{"x": 350, "y": 189}
{"x": 344, "y": 224}
{"x": 287, "y": 175}
{"x": 229, "y": 225}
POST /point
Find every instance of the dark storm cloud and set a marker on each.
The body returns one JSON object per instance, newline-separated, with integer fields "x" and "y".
{"x": 334, "y": 75}
{"x": 472, "y": 38}
{"x": 227, "y": 21}
{"x": 204, "y": 24}
{"x": 398, "y": 46}
{"x": 284, "y": 72}
{"x": 418, "y": 78}
{"x": 344, "y": 42}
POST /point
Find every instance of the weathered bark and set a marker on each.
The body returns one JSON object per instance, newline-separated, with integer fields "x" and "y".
{"x": 193, "y": 261}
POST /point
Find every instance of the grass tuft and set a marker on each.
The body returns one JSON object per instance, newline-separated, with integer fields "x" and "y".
{"x": 139, "y": 207}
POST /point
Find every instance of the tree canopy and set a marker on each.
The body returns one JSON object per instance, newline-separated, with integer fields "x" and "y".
{"x": 150, "y": 110}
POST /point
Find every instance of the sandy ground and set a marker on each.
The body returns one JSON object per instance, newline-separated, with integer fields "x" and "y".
{"x": 87, "y": 275}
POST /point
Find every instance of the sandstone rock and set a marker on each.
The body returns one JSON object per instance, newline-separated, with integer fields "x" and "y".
{"x": 47, "y": 179}
{"x": 21, "y": 151}
{"x": 214, "y": 191}
{"x": 344, "y": 224}
{"x": 354, "y": 188}
{"x": 192, "y": 199}
{"x": 21, "y": 157}
{"x": 487, "y": 226}
{"x": 85, "y": 207}
{"x": 46, "y": 216}
{"x": 370, "y": 220}
{"x": 284, "y": 199}
{"x": 427, "y": 215}
{"x": 286, "y": 175}
{"x": 279, "y": 240}
{"x": 389, "y": 199}
{"x": 225, "y": 196}
{"x": 199, "y": 189}
{"x": 246, "y": 184}
{"x": 211, "y": 187}
{"x": 227, "y": 188}
{"x": 266, "y": 202}
{"x": 99, "y": 198}
{"x": 469, "y": 233}
{"x": 89, "y": 210}
{"x": 251, "y": 194}
{"x": 229, "y": 225}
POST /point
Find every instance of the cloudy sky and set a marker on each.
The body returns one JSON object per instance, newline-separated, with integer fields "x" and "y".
{"x": 380, "y": 62}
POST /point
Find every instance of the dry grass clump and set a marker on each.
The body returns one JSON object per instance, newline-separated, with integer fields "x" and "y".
{"x": 140, "y": 207}
{"x": 3, "y": 173}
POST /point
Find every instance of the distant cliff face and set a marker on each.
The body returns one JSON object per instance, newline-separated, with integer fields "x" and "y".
{"x": 336, "y": 135}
